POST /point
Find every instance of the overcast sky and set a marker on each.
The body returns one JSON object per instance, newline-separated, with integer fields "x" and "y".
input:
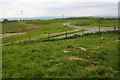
{"x": 37, "y": 8}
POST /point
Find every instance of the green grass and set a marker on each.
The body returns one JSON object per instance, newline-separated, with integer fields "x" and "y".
{"x": 93, "y": 22}
{"x": 41, "y": 58}
{"x": 47, "y": 59}
{"x": 97, "y": 22}
{"x": 54, "y": 27}
{"x": 12, "y": 27}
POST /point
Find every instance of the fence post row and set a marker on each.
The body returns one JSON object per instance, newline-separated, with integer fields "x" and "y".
{"x": 82, "y": 30}
{"x": 11, "y": 40}
{"x": 114, "y": 28}
{"x": 99, "y": 28}
{"x": 29, "y": 38}
{"x": 66, "y": 33}
{"x": 48, "y": 36}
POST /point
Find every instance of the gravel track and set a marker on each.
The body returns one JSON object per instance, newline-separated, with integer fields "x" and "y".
{"x": 88, "y": 30}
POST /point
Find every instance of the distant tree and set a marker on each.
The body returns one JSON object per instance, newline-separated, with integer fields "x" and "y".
{"x": 5, "y": 20}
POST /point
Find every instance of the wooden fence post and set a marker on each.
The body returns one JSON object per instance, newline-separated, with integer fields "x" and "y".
{"x": 114, "y": 28}
{"x": 99, "y": 28}
{"x": 29, "y": 38}
{"x": 48, "y": 36}
{"x": 11, "y": 39}
{"x": 66, "y": 33}
{"x": 82, "y": 30}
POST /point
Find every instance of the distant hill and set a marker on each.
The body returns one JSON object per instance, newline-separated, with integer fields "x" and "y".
{"x": 47, "y": 17}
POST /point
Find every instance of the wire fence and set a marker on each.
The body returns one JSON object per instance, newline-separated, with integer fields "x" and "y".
{"x": 48, "y": 36}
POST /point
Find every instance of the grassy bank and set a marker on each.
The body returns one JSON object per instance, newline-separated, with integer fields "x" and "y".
{"x": 97, "y": 22}
{"x": 32, "y": 55}
{"x": 54, "y": 27}
{"x": 87, "y": 56}
{"x": 41, "y": 28}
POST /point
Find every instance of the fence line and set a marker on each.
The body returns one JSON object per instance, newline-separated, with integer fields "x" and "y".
{"x": 99, "y": 28}
{"x": 114, "y": 27}
{"x": 29, "y": 36}
{"x": 82, "y": 31}
{"x": 11, "y": 39}
{"x": 66, "y": 33}
{"x": 49, "y": 35}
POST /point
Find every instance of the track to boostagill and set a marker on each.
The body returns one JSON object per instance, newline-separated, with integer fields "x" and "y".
{"x": 88, "y": 30}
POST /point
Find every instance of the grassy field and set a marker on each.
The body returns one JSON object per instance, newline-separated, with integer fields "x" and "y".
{"x": 92, "y": 22}
{"x": 80, "y": 56}
{"x": 64, "y": 58}
{"x": 54, "y": 27}
{"x": 97, "y": 22}
{"x": 12, "y": 27}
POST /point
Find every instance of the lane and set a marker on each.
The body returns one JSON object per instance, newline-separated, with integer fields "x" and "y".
{"x": 88, "y": 30}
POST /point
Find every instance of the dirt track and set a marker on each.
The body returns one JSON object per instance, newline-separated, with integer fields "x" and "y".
{"x": 88, "y": 30}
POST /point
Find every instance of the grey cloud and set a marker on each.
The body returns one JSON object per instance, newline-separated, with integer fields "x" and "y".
{"x": 55, "y": 8}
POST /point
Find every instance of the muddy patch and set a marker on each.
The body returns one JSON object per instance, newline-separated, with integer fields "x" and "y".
{"x": 93, "y": 51}
{"x": 80, "y": 48}
{"x": 90, "y": 67}
{"x": 21, "y": 30}
{"x": 77, "y": 58}
{"x": 89, "y": 58}
{"x": 30, "y": 26}
{"x": 10, "y": 34}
